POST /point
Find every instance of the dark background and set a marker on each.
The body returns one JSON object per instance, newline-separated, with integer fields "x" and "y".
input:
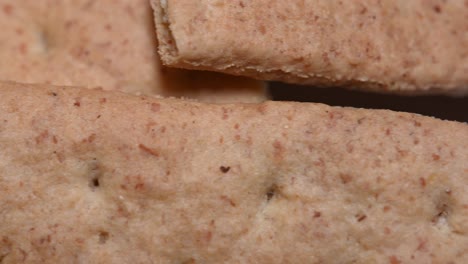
{"x": 444, "y": 107}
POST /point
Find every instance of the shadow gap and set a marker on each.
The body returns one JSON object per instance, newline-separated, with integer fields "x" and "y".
{"x": 443, "y": 107}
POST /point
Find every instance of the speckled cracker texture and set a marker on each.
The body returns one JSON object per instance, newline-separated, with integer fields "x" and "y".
{"x": 105, "y": 43}
{"x": 401, "y": 46}
{"x": 88, "y": 176}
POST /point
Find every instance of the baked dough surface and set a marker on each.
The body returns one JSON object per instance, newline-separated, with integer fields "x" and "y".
{"x": 88, "y": 176}
{"x": 401, "y": 46}
{"x": 106, "y": 43}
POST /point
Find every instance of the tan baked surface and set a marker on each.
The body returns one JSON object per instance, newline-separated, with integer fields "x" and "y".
{"x": 105, "y": 43}
{"x": 102, "y": 177}
{"x": 416, "y": 46}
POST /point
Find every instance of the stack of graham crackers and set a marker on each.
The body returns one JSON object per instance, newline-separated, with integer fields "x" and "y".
{"x": 101, "y": 163}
